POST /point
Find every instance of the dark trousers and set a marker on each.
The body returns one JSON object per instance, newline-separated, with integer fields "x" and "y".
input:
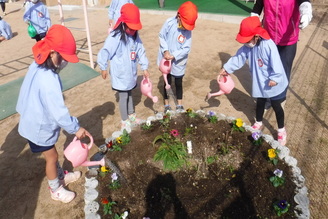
{"x": 276, "y": 105}
{"x": 178, "y": 86}
{"x": 3, "y": 6}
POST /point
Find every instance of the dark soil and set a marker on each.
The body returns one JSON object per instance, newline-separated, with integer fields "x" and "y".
{"x": 236, "y": 185}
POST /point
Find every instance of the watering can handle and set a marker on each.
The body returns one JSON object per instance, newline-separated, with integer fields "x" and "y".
{"x": 91, "y": 140}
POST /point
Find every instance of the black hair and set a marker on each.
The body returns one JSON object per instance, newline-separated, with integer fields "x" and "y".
{"x": 49, "y": 65}
{"x": 121, "y": 29}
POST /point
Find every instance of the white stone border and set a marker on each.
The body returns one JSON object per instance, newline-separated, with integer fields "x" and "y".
{"x": 301, "y": 198}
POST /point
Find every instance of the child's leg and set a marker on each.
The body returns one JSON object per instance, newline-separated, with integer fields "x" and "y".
{"x": 123, "y": 104}
{"x": 280, "y": 116}
{"x": 179, "y": 89}
{"x": 130, "y": 103}
{"x": 3, "y": 6}
{"x": 260, "y": 105}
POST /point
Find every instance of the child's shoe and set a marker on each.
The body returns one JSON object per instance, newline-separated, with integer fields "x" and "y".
{"x": 180, "y": 108}
{"x": 126, "y": 124}
{"x": 63, "y": 195}
{"x": 167, "y": 108}
{"x": 282, "y": 137}
{"x": 134, "y": 120}
{"x": 257, "y": 126}
{"x": 70, "y": 177}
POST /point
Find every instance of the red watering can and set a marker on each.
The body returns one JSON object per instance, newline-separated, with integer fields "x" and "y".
{"x": 146, "y": 88}
{"x": 77, "y": 152}
{"x": 165, "y": 68}
{"x": 226, "y": 85}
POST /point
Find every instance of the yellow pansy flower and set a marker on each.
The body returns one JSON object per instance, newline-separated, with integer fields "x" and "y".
{"x": 119, "y": 140}
{"x": 104, "y": 169}
{"x": 239, "y": 123}
{"x": 272, "y": 153}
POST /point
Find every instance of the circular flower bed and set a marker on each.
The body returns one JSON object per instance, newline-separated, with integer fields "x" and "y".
{"x": 195, "y": 165}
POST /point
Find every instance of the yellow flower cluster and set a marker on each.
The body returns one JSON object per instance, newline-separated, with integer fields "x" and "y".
{"x": 272, "y": 153}
{"x": 119, "y": 140}
{"x": 104, "y": 169}
{"x": 239, "y": 123}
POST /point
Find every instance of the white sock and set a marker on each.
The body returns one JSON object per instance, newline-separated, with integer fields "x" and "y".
{"x": 54, "y": 184}
{"x": 282, "y": 129}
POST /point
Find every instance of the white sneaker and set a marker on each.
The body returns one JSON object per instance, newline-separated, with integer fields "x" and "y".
{"x": 70, "y": 177}
{"x": 63, "y": 195}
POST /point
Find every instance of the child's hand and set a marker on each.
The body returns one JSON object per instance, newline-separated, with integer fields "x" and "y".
{"x": 104, "y": 74}
{"x": 168, "y": 56}
{"x": 81, "y": 133}
{"x": 146, "y": 74}
{"x": 272, "y": 83}
{"x": 223, "y": 72}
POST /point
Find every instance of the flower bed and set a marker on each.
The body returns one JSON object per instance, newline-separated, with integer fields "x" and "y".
{"x": 198, "y": 165}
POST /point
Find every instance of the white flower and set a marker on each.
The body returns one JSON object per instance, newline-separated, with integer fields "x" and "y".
{"x": 125, "y": 214}
{"x": 114, "y": 177}
{"x": 191, "y": 125}
{"x": 148, "y": 123}
{"x": 278, "y": 173}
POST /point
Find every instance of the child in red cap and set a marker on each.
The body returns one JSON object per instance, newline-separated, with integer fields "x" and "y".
{"x": 267, "y": 71}
{"x": 175, "y": 45}
{"x": 42, "y": 109}
{"x": 124, "y": 49}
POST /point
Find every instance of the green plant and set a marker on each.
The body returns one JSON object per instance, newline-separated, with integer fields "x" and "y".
{"x": 257, "y": 138}
{"x": 212, "y": 118}
{"x": 273, "y": 155}
{"x": 115, "y": 184}
{"x": 211, "y": 159}
{"x": 191, "y": 113}
{"x": 281, "y": 207}
{"x": 120, "y": 141}
{"x": 171, "y": 151}
{"x": 147, "y": 125}
{"x": 165, "y": 121}
{"x": 277, "y": 179}
{"x": 107, "y": 206}
{"x": 237, "y": 125}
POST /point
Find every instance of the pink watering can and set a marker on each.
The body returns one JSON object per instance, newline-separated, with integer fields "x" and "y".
{"x": 226, "y": 85}
{"x": 165, "y": 68}
{"x": 77, "y": 152}
{"x": 146, "y": 88}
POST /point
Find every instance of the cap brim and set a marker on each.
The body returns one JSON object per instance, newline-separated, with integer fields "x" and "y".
{"x": 243, "y": 39}
{"x": 70, "y": 58}
{"x": 187, "y": 26}
{"x": 134, "y": 26}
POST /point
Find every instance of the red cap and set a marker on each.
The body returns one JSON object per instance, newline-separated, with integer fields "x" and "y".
{"x": 188, "y": 15}
{"x": 250, "y": 27}
{"x": 59, "y": 39}
{"x": 131, "y": 16}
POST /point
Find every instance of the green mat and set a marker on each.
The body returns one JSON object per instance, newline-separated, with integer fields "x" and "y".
{"x": 71, "y": 75}
{"x": 229, "y": 7}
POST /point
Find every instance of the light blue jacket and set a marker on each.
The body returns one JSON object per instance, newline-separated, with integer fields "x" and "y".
{"x": 42, "y": 109}
{"x": 5, "y": 30}
{"x": 177, "y": 42}
{"x": 114, "y": 10}
{"x": 264, "y": 64}
{"x": 123, "y": 60}
{"x": 38, "y": 15}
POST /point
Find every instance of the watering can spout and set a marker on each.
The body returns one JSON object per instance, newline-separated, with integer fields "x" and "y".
{"x": 94, "y": 163}
{"x": 226, "y": 86}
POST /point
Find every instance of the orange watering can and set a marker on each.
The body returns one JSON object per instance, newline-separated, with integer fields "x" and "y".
{"x": 77, "y": 152}
{"x": 165, "y": 68}
{"x": 226, "y": 85}
{"x": 146, "y": 88}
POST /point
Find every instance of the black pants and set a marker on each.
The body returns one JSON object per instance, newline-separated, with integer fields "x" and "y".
{"x": 3, "y": 6}
{"x": 276, "y": 105}
{"x": 178, "y": 86}
{"x": 39, "y": 37}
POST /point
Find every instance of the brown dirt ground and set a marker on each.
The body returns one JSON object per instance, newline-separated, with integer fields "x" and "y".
{"x": 24, "y": 192}
{"x": 235, "y": 185}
